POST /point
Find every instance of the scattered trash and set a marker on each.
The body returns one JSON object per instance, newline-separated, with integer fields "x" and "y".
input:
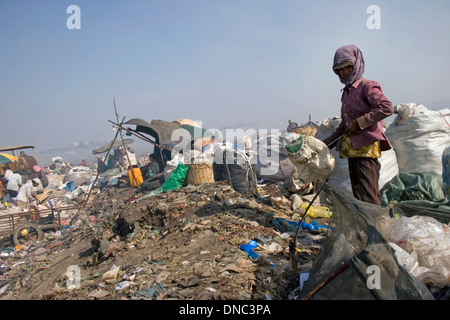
{"x": 230, "y": 236}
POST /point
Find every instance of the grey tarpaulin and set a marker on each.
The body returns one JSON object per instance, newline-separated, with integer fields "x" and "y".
{"x": 418, "y": 188}
{"x": 352, "y": 250}
{"x": 112, "y": 144}
{"x": 165, "y": 132}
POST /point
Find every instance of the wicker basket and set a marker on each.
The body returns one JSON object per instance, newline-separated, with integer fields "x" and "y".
{"x": 305, "y": 131}
{"x": 199, "y": 173}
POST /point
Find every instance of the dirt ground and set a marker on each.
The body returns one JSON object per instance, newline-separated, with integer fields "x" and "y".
{"x": 181, "y": 244}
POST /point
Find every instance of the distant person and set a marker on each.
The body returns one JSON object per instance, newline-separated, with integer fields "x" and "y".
{"x": 360, "y": 133}
{"x": 26, "y": 194}
{"x": 118, "y": 154}
{"x": 14, "y": 183}
{"x": 2, "y": 190}
{"x": 101, "y": 166}
{"x": 152, "y": 165}
{"x": 134, "y": 172}
{"x": 112, "y": 162}
{"x": 41, "y": 175}
{"x": 84, "y": 163}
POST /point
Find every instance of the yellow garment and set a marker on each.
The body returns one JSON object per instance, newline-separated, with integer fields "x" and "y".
{"x": 346, "y": 149}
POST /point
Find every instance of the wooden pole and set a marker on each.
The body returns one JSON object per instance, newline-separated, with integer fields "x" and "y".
{"x": 123, "y": 144}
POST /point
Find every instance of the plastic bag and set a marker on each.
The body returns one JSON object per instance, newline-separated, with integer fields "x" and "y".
{"x": 315, "y": 211}
{"x": 409, "y": 261}
{"x": 416, "y": 227}
{"x": 176, "y": 179}
{"x": 426, "y": 237}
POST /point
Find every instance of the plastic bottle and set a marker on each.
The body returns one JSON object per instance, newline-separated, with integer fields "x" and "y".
{"x": 150, "y": 173}
{"x": 315, "y": 211}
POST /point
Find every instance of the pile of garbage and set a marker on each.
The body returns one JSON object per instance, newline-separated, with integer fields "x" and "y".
{"x": 203, "y": 241}
{"x": 205, "y": 229}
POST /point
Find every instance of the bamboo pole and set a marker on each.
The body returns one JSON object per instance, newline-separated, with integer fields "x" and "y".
{"x": 123, "y": 144}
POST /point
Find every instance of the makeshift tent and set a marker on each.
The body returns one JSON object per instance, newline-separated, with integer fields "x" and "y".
{"x": 186, "y": 122}
{"x": 165, "y": 133}
{"x": 169, "y": 134}
{"x": 112, "y": 145}
{"x": 356, "y": 262}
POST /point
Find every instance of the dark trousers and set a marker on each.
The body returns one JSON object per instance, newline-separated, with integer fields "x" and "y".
{"x": 364, "y": 175}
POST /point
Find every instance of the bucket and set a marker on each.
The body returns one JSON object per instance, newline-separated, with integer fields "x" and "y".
{"x": 200, "y": 173}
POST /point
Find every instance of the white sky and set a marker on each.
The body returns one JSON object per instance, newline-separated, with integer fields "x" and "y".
{"x": 226, "y": 63}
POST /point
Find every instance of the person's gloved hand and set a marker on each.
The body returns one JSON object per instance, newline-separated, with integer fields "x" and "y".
{"x": 352, "y": 128}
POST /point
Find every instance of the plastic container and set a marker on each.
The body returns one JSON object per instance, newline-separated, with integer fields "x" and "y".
{"x": 135, "y": 177}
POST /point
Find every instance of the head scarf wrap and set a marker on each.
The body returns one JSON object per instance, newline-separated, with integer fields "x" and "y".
{"x": 352, "y": 54}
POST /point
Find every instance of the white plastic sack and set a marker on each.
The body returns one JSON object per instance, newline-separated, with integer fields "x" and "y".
{"x": 55, "y": 180}
{"x": 419, "y": 137}
{"x": 311, "y": 157}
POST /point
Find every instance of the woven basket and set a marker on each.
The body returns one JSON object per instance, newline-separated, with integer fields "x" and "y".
{"x": 305, "y": 131}
{"x": 199, "y": 173}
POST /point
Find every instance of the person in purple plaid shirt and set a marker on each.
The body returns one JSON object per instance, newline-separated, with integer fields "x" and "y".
{"x": 360, "y": 136}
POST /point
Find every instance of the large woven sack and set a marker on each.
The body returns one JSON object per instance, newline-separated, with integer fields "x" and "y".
{"x": 419, "y": 137}
{"x": 311, "y": 156}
